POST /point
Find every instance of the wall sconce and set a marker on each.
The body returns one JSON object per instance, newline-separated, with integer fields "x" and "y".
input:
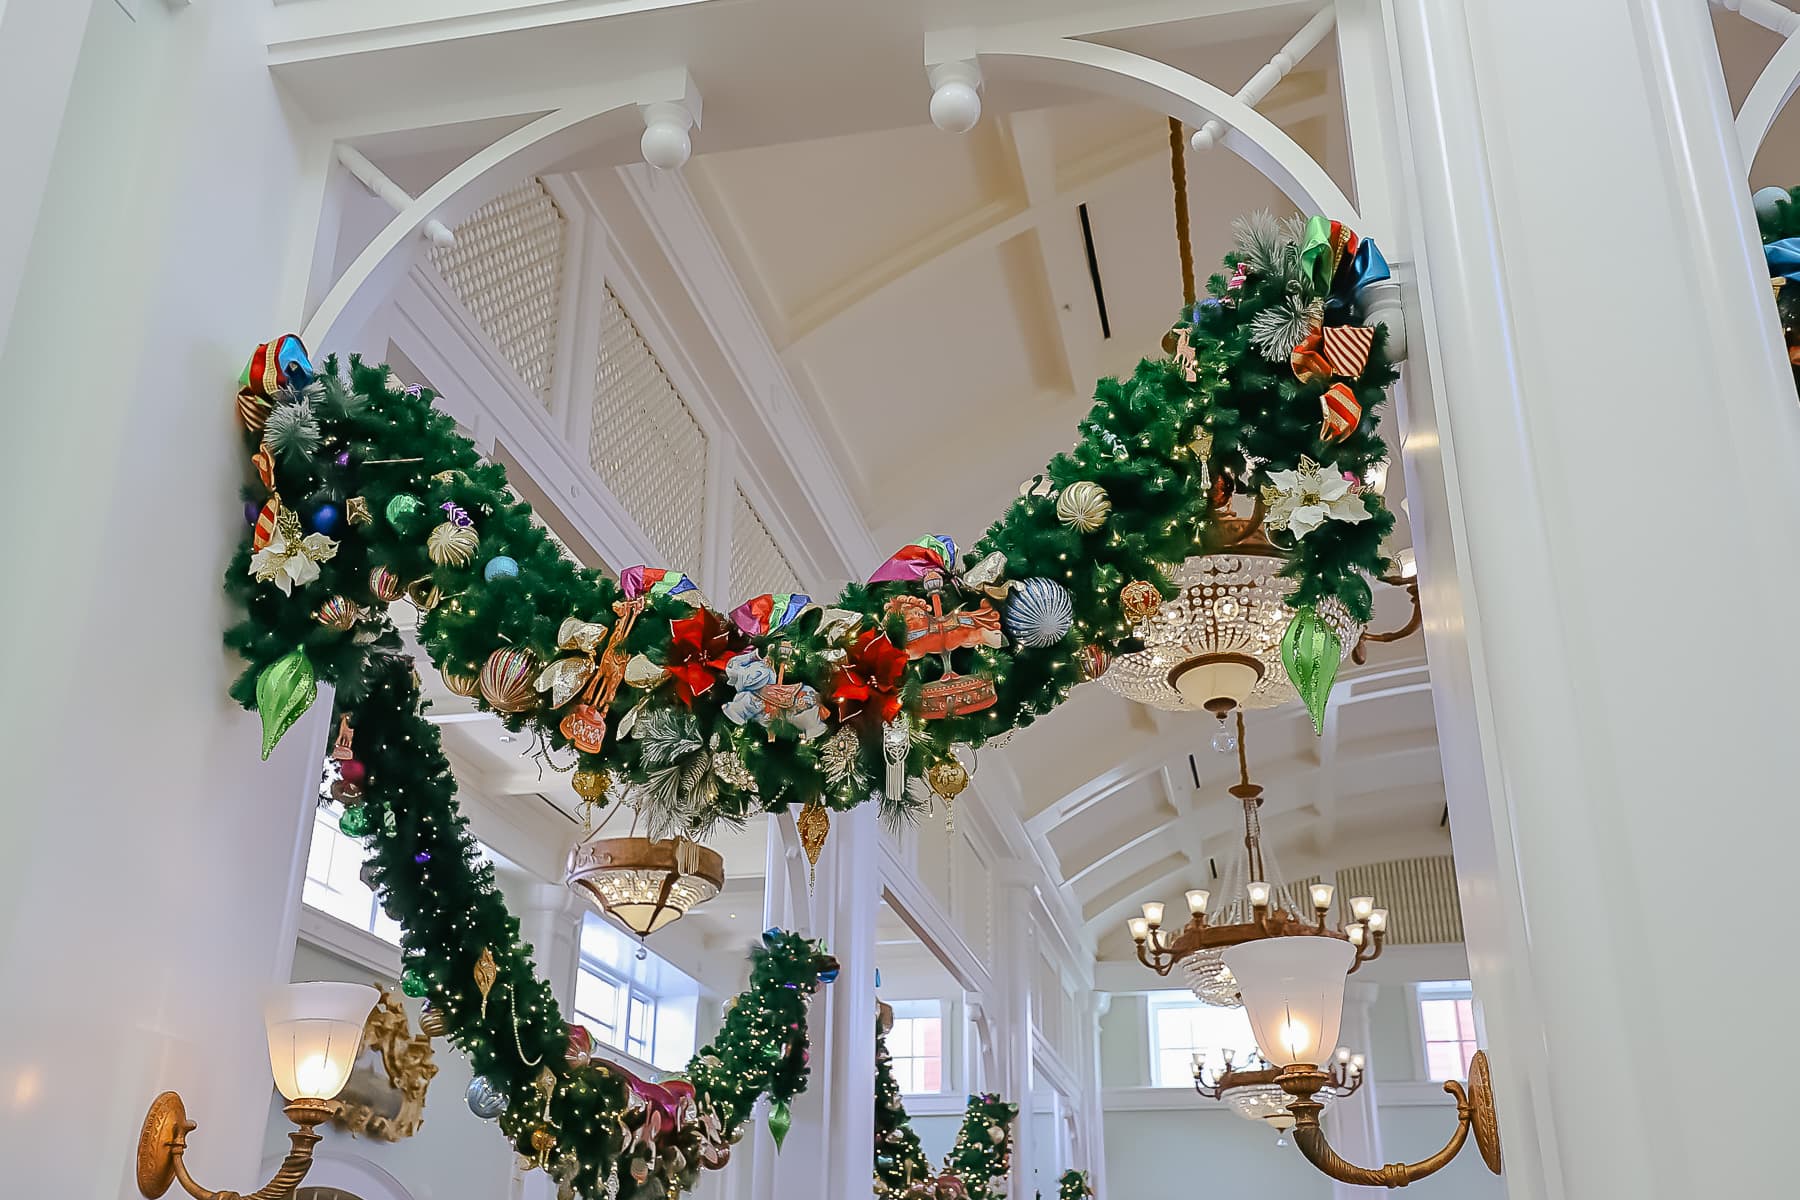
{"x": 1293, "y": 991}
{"x": 314, "y": 1031}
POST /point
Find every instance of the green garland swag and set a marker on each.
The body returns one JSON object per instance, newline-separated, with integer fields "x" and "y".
{"x": 364, "y": 493}
{"x": 981, "y": 1154}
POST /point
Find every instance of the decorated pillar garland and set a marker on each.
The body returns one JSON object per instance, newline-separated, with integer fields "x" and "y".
{"x": 1073, "y": 1186}
{"x": 981, "y": 1155}
{"x": 360, "y": 493}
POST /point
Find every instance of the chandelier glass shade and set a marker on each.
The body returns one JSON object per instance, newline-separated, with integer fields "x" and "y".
{"x": 645, "y": 884}
{"x": 1217, "y": 645}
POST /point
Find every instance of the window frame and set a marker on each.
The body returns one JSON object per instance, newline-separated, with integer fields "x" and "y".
{"x": 377, "y": 920}
{"x": 939, "y": 1011}
{"x": 1417, "y": 994}
{"x": 652, "y": 1004}
{"x": 1157, "y": 1002}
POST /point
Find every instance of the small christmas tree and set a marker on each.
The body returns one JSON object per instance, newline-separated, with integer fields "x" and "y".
{"x": 899, "y": 1159}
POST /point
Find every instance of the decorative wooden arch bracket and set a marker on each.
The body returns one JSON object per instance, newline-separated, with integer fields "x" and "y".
{"x": 607, "y": 110}
{"x": 1779, "y": 79}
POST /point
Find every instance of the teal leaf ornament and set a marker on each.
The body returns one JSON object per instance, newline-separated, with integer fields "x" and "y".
{"x": 1311, "y": 650}
{"x": 285, "y": 689}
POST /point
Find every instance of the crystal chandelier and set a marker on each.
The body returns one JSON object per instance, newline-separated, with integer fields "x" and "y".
{"x": 1253, "y": 1094}
{"x": 1217, "y": 645}
{"x": 1260, "y": 910}
{"x": 645, "y": 884}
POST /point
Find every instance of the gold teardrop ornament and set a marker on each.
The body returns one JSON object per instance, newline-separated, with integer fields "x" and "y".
{"x": 814, "y": 825}
{"x": 486, "y": 972}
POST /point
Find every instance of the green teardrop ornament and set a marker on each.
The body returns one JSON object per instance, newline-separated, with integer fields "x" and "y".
{"x": 1311, "y": 650}
{"x": 354, "y": 823}
{"x": 780, "y": 1121}
{"x": 285, "y": 689}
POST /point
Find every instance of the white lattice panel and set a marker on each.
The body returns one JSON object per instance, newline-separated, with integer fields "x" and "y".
{"x": 507, "y": 269}
{"x": 1419, "y": 894}
{"x": 644, "y": 442}
{"x": 757, "y": 564}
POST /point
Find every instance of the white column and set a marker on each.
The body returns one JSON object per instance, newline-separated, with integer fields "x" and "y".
{"x": 830, "y": 1151}
{"x": 1015, "y": 961}
{"x": 1602, "y": 452}
{"x": 1092, "y": 1158}
{"x": 550, "y": 918}
{"x": 1354, "y": 1125}
{"x": 148, "y": 869}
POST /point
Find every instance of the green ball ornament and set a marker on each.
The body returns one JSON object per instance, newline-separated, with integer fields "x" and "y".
{"x": 406, "y": 512}
{"x": 413, "y": 983}
{"x": 354, "y": 823}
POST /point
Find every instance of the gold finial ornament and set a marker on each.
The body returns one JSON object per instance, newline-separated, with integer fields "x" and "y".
{"x": 486, "y": 972}
{"x": 947, "y": 778}
{"x": 814, "y": 824}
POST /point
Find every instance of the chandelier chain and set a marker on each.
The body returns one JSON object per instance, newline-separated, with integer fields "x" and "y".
{"x": 1178, "y": 178}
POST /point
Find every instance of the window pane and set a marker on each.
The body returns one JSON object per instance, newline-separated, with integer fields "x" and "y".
{"x": 1465, "y": 1019}
{"x": 597, "y": 1002}
{"x": 1181, "y": 1027}
{"x": 1439, "y": 1019}
{"x": 1444, "y": 1060}
{"x": 931, "y": 1034}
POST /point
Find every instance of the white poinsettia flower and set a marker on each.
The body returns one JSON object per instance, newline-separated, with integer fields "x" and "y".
{"x": 1306, "y": 497}
{"x": 290, "y": 563}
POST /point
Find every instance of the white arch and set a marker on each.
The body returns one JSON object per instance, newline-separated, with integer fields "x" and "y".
{"x": 1770, "y": 94}
{"x": 1144, "y": 81}
{"x": 529, "y": 150}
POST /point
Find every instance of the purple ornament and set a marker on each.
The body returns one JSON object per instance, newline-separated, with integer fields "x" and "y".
{"x": 343, "y": 458}
{"x": 422, "y": 857}
{"x": 251, "y": 510}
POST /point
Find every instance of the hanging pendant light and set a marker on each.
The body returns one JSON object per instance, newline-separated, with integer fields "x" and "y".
{"x": 642, "y": 883}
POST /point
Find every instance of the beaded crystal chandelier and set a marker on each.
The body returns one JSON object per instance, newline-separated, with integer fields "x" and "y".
{"x": 645, "y": 884}
{"x": 1260, "y": 910}
{"x": 1253, "y": 1094}
{"x": 1217, "y": 645}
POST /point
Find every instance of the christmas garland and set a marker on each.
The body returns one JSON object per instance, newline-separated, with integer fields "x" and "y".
{"x": 1778, "y": 217}
{"x": 1073, "y": 1185}
{"x": 364, "y": 494}
{"x": 981, "y": 1154}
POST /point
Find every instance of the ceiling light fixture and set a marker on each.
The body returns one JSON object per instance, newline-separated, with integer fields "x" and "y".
{"x": 1248, "y": 908}
{"x": 1253, "y": 1093}
{"x": 645, "y": 884}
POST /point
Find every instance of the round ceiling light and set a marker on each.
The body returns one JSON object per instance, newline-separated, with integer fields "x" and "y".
{"x": 645, "y": 884}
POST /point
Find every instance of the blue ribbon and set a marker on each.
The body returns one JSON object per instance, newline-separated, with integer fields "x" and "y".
{"x": 1365, "y": 267}
{"x": 1783, "y": 258}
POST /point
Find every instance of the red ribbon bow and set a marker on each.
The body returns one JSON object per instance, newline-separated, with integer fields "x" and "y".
{"x": 869, "y": 680}
{"x": 699, "y": 648}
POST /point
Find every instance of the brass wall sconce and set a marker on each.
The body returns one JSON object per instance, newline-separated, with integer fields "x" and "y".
{"x": 1408, "y": 578}
{"x": 1293, "y": 990}
{"x": 314, "y": 1031}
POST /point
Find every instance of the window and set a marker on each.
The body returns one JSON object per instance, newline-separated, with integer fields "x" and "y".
{"x": 644, "y": 1007}
{"x": 334, "y": 882}
{"x": 1447, "y": 1024}
{"x": 1181, "y": 1027}
{"x": 917, "y": 1045}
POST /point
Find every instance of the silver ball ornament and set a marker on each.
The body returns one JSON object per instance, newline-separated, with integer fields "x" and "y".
{"x": 1765, "y": 200}
{"x": 1039, "y": 613}
{"x": 485, "y": 1100}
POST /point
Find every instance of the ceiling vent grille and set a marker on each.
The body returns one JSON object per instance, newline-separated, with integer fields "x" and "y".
{"x": 1419, "y": 894}
{"x": 644, "y": 442}
{"x": 757, "y": 564}
{"x": 507, "y": 269}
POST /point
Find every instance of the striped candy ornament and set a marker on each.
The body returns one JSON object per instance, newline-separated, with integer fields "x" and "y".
{"x": 1347, "y": 348}
{"x": 1343, "y": 413}
{"x": 265, "y": 523}
{"x": 252, "y": 411}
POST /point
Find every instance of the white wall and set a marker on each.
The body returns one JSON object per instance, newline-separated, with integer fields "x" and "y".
{"x": 1169, "y": 1144}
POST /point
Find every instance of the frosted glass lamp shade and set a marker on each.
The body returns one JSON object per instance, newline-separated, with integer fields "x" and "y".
{"x": 1197, "y": 901}
{"x": 314, "y": 1031}
{"x": 1293, "y": 990}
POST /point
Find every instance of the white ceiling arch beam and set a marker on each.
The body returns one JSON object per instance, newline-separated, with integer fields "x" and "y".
{"x": 1023, "y": 54}
{"x": 371, "y": 278}
{"x": 1769, "y": 95}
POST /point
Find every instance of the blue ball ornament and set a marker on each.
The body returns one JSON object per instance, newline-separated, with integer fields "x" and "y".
{"x": 771, "y": 937}
{"x": 485, "y": 1100}
{"x": 500, "y": 567}
{"x": 1039, "y": 613}
{"x": 325, "y": 519}
{"x": 1765, "y": 200}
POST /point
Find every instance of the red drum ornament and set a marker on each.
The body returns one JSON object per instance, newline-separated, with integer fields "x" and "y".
{"x": 1343, "y": 413}
{"x": 1140, "y": 599}
{"x": 385, "y": 586}
{"x": 506, "y": 681}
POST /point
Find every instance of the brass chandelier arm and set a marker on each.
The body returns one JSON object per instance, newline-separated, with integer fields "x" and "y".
{"x": 162, "y": 1151}
{"x": 1474, "y": 1113}
{"x": 1360, "y": 654}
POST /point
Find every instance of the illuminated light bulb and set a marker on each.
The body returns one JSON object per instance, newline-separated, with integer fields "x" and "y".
{"x": 315, "y": 1077}
{"x": 1259, "y": 893}
{"x": 1296, "y": 1037}
{"x": 1356, "y": 1063}
{"x": 1321, "y": 895}
{"x": 1361, "y": 907}
{"x": 1197, "y": 900}
{"x": 1378, "y": 921}
{"x": 1354, "y": 931}
{"x": 1153, "y": 913}
{"x": 1140, "y": 928}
